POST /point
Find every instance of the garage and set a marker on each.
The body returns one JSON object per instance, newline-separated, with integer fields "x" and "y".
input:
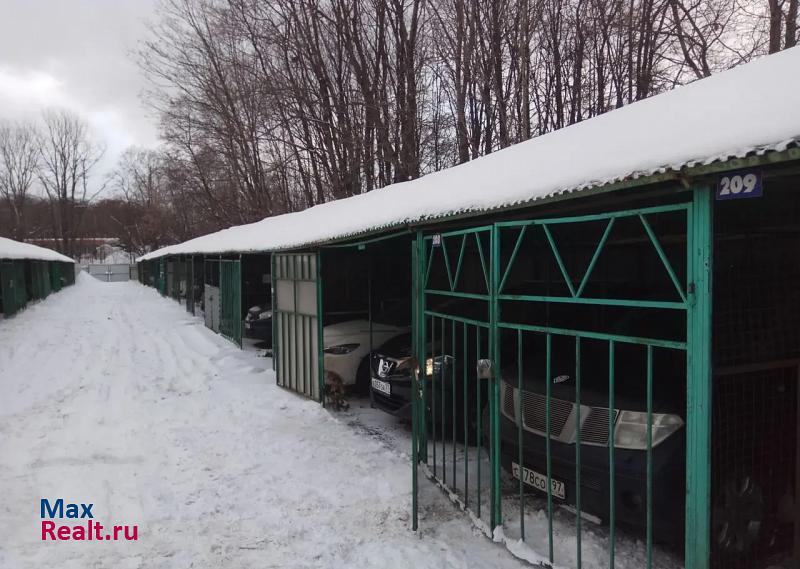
{"x": 356, "y": 296}
{"x": 603, "y": 359}
{"x": 29, "y": 273}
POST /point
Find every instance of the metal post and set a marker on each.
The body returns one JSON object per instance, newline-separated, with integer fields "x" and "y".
{"x": 698, "y": 409}
{"x": 494, "y": 382}
{"x": 320, "y": 334}
{"x": 415, "y": 292}
{"x": 369, "y": 318}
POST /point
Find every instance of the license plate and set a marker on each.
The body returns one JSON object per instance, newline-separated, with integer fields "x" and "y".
{"x": 382, "y": 386}
{"x": 538, "y": 481}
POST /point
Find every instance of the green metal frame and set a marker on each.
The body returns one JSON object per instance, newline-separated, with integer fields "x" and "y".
{"x": 39, "y": 275}
{"x": 698, "y": 412}
{"x": 161, "y": 279}
{"x": 297, "y": 329}
{"x": 465, "y": 334}
{"x": 230, "y": 287}
{"x": 692, "y": 296}
{"x": 55, "y": 276}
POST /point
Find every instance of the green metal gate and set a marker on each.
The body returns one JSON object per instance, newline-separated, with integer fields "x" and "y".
{"x": 39, "y": 275}
{"x": 230, "y": 322}
{"x": 532, "y": 338}
{"x": 55, "y": 276}
{"x": 12, "y": 286}
{"x": 161, "y": 279}
{"x": 297, "y": 327}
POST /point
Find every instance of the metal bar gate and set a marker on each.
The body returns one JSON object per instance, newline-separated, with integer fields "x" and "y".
{"x": 547, "y": 350}
{"x": 297, "y": 323}
{"x": 230, "y": 322}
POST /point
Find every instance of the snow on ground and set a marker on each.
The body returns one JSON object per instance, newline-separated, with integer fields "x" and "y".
{"x": 114, "y": 396}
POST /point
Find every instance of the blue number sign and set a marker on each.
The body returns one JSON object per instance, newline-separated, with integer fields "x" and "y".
{"x": 739, "y": 185}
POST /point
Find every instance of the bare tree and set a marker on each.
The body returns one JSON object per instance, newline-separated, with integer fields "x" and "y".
{"x": 269, "y": 107}
{"x": 68, "y": 155}
{"x": 19, "y": 158}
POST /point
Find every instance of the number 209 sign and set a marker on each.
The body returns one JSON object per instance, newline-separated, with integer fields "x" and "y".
{"x": 739, "y": 185}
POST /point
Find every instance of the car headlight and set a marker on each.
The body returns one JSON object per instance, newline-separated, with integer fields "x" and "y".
{"x": 341, "y": 349}
{"x": 631, "y": 430}
{"x": 264, "y": 315}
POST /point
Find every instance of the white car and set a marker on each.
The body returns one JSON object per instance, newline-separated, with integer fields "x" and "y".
{"x": 346, "y": 348}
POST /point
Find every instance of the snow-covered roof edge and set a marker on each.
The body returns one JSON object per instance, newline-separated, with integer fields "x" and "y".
{"x": 10, "y": 249}
{"x": 751, "y": 109}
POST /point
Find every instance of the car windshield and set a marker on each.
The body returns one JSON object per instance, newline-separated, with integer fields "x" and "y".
{"x": 397, "y": 313}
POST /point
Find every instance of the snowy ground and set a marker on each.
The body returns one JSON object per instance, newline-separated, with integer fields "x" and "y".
{"x": 114, "y": 396}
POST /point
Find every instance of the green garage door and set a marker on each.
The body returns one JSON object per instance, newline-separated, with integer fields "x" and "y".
{"x": 296, "y": 324}
{"x": 230, "y": 322}
{"x": 12, "y": 286}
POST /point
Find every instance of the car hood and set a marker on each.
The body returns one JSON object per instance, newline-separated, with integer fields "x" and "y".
{"x": 629, "y": 395}
{"x": 358, "y": 331}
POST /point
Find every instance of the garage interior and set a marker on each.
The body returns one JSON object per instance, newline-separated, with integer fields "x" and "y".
{"x": 756, "y": 349}
{"x": 366, "y": 301}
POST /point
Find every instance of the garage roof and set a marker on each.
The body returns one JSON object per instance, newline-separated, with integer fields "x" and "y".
{"x": 10, "y": 249}
{"x": 751, "y": 109}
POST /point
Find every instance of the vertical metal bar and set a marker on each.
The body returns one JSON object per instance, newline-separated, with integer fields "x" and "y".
{"x": 304, "y": 349}
{"x": 423, "y": 348}
{"x": 578, "y": 448}
{"x": 453, "y": 397}
{"x": 520, "y": 436}
{"x": 369, "y": 319}
{"x": 465, "y": 391}
{"x": 479, "y": 435}
{"x": 415, "y": 327}
{"x": 494, "y": 398}
{"x": 274, "y": 308}
{"x": 611, "y": 462}
{"x": 797, "y": 471}
{"x": 649, "y": 457}
{"x": 441, "y": 382}
{"x": 433, "y": 389}
{"x": 548, "y": 382}
{"x": 320, "y": 332}
{"x": 296, "y": 347}
{"x": 699, "y": 377}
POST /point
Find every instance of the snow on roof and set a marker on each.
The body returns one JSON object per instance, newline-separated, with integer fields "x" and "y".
{"x": 10, "y": 249}
{"x": 749, "y": 109}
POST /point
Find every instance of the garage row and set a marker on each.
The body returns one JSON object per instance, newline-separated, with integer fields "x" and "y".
{"x": 29, "y": 273}
{"x": 627, "y": 353}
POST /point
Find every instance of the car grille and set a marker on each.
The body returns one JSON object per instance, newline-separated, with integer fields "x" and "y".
{"x": 534, "y": 413}
{"x": 563, "y": 417}
{"x": 508, "y": 403}
{"x": 594, "y": 429}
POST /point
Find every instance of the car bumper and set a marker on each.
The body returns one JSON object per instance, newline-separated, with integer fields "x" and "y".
{"x": 258, "y": 329}
{"x": 630, "y": 480}
{"x": 398, "y": 401}
{"x": 344, "y": 365}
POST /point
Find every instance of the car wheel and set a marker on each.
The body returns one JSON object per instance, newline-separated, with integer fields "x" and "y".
{"x": 738, "y": 516}
{"x": 362, "y": 377}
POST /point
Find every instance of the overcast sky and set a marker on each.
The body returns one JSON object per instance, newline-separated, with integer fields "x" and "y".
{"x": 76, "y": 54}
